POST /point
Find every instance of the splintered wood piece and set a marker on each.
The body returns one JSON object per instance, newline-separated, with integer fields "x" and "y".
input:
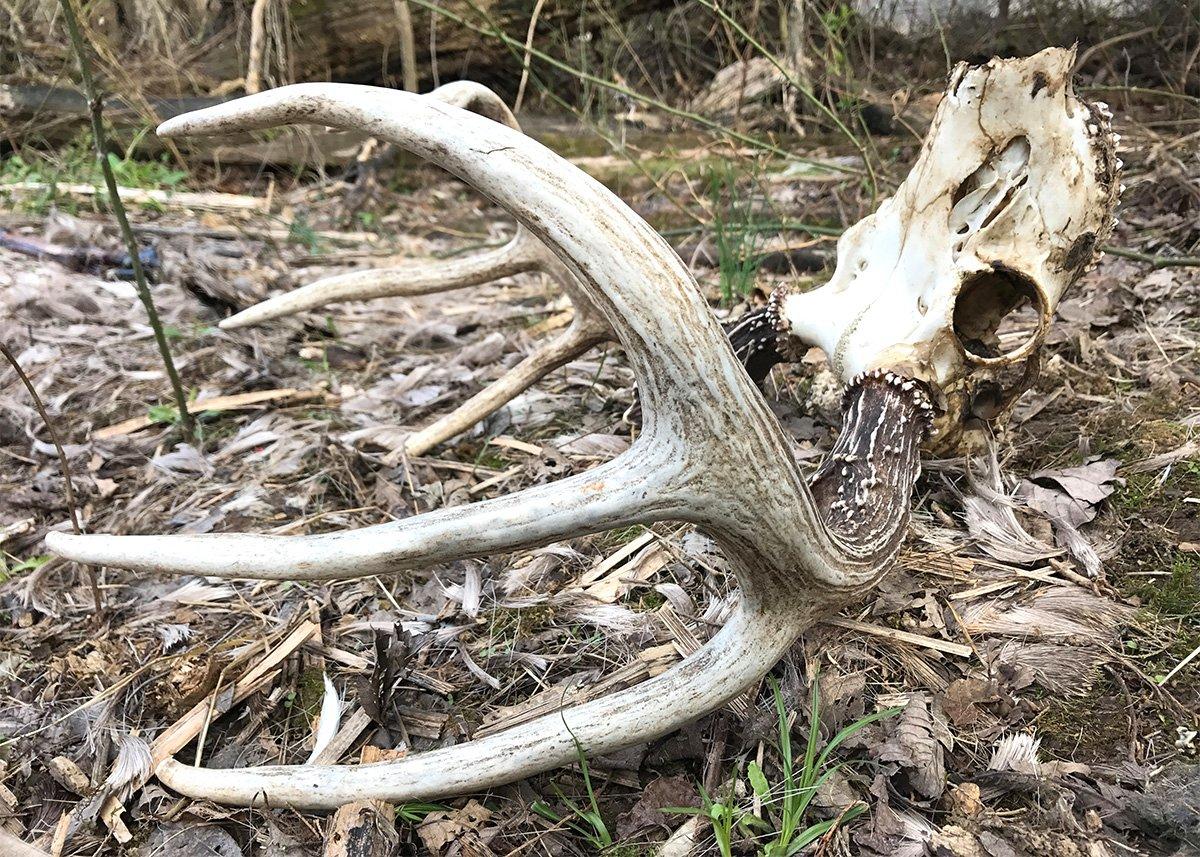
{"x": 187, "y": 727}
{"x": 351, "y": 728}
{"x": 912, "y": 639}
{"x": 228, "y": 203}
{"x": 617, "y": 582}
{"x": 177, "y": 736}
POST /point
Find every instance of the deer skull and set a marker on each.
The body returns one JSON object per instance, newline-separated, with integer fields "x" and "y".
{"x": 1012, "y": 194}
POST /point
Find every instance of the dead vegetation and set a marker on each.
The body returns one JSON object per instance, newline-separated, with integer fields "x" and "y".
{"x": 1036, "y": 653}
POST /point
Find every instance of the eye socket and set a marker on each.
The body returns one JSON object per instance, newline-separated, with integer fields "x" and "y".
{"x": 998, "y": 315}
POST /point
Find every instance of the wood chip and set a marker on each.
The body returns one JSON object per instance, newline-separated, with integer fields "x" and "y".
{"x": 512, "y": 443}
{"x": 616, "y": 583}
{"x": 614, "y": 559}
{"x": 69, "y": 775}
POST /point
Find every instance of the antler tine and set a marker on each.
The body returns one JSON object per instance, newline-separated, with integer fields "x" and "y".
{"x": 411, "y": 278}
{"x": 522, "y": 254}
{"x": 710, "y": 453}
{"x": 625, "y": 269}
{"x": 618, "y": 493}
{"x": 580, "y": 336}
{"x": 416, "y": 277}
{"x": 477, "y": 98}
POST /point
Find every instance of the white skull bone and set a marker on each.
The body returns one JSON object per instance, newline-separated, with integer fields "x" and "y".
{"x": 1011, "y": 196}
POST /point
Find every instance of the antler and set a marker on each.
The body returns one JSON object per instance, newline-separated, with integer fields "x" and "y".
{"x": 710, "y": 453}
{"x": 523, "y": 254}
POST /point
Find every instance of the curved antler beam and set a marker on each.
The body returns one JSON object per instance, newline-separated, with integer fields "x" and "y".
{"x": 710, "y": 453}
{"x": 739, "y": 655}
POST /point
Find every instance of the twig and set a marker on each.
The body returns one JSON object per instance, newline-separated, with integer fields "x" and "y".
{"x": 813, "y": 229}
{"x": 258, "y": 38}
{"x": 1156, "y": 261}
{"x": 408, "y": 45}
{"x": 63, "y": 464}
{"x": 1108, "y": 43}
{"x": 1181, "y": 665}
{"x": 903, "y": 637}
{"x": 114, "y": 196}
{"x": 1141, "y": 90}
{"x": 533, "y": 19}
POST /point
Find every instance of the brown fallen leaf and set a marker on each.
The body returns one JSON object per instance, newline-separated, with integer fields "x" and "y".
{"x": 962, "y": 698}
{"x": 441, "y": 829}
{"x": 1072, "y": 494}
{"x": 646, "y": 817}
{"x": 917, "y": 741}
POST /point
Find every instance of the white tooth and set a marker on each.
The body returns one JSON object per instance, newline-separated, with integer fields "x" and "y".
{"x": 1116, "y": 138}
{"x": 1120, "y": 164}
{"x": 1121, "y": 189}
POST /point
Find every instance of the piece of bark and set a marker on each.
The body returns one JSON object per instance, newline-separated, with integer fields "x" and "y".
{"x": 69, "y": 775}
{"x": 364, "y": 828}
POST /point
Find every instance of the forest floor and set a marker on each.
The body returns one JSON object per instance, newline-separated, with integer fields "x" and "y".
{"x": 988, "y": 631}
